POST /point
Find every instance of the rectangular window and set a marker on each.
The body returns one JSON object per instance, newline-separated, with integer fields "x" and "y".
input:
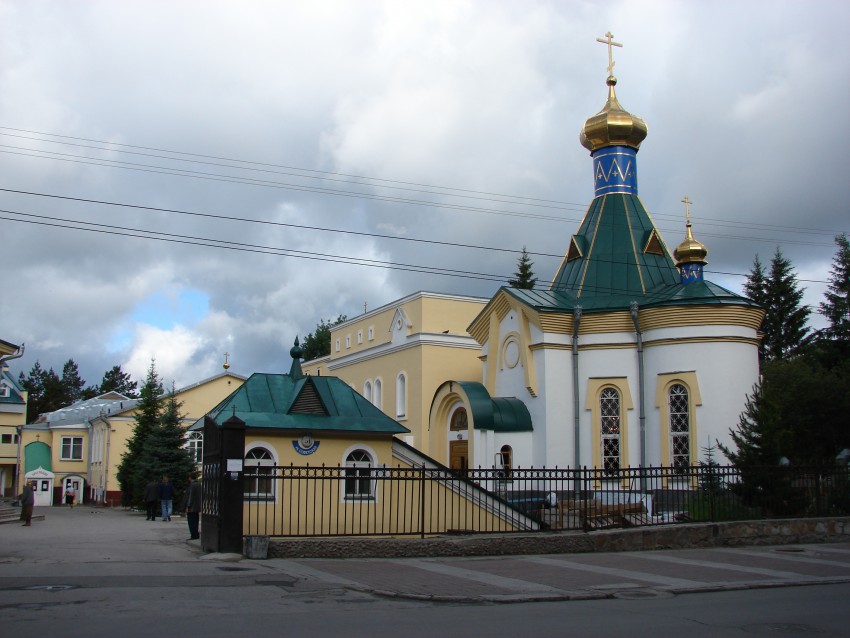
{"x": 337, "y": 345}
{"x": 6, "y": 438}
{"x": 359, "y": 336}
{"x": 72, "y": 448}
{"x": 347, "y": 341}
{"x": 358, "y": 483}
{"x": 371, "y": 333}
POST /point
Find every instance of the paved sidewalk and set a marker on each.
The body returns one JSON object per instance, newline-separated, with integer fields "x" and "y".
{"x": 92, "y": 549}
{"x": 650, "y": 574}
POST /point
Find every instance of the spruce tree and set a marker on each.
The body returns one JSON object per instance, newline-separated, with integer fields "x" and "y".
{"x": 165, "y": 451}
{"x": 131, "y": 477}
{"x": 836, "y": 307}
{"x": 758, "y": 437}
{"x": 524, "y": 276}
{"x": 784, "y": 327}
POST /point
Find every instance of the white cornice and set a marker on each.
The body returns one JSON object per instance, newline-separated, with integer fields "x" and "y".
{"x": 411, "y": 297}
{"x": 413, "y": 341}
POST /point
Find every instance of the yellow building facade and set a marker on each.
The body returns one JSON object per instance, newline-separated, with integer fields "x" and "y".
{"x": 82, "y": 445}
{"x": 13, "y": 414}
{"x": 398, "y": 355}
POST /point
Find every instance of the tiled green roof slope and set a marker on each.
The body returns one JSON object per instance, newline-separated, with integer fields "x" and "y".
{"x": 279, "y": 402}
{"x": 616, "y": 257}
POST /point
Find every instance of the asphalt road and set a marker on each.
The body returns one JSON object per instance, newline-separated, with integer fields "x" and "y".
{"x": 93, "y": 572}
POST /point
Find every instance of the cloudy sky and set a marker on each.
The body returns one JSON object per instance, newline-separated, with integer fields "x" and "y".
{"x": 184, "y": 179}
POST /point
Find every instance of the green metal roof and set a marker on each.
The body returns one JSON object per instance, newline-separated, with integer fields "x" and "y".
{"x": 502, "y": 414}
{"x": 279, "y": 402}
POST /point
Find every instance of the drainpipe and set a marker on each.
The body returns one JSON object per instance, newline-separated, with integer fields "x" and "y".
{"x": 576, "y": 410}
{"x": 635, "y": 312}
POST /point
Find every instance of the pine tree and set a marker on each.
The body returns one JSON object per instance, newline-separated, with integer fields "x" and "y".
{"x": 784, "y": 327}
{"x": 318, "y": 344}
{"x": 836, "y": 308}
{"x": 45, "y": 391}
{"x": 72, "y": 383}
{"x": 524, "y": 276}
{"x": 116, "y": 380}
{"x": 131, "y": 477}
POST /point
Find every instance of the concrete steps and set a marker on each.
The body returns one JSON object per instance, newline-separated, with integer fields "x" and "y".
{"x": 12, "y": 514}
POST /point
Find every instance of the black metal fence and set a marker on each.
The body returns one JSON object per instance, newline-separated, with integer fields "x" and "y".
{"x": 364, "y": 500}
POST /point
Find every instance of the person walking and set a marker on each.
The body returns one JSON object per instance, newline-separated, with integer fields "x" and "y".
{"x": 27, "y": 498}
{"x": 151, "y": 499}
{"x": 192, "y": 506}
{"x": 70, "y": 495}
{"x": 166, "y": 498}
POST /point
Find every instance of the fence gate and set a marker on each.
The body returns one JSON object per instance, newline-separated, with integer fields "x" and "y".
{"x": 221, "y": 512}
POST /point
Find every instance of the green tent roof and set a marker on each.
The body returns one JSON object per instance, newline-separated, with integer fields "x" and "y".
{"x": 281, "y": 402}
{"x": 617, "y": 257}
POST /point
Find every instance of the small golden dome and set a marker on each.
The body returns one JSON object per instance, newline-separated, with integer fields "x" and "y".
{"x": 690, "y": 251}
{"x": 613, "y": 125}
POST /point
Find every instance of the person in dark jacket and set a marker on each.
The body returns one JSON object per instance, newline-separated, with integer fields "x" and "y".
{"x": 151, "y": 499}
{"x": 192, "y": 506}
{"x": 27, "y": 498}
{"x": 166, "y": 498}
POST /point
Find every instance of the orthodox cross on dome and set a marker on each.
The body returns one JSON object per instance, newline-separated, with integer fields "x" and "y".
{"x": 687, "y": 202}
{"x": 226, "y": 362}
{"x": 609, "y": 40}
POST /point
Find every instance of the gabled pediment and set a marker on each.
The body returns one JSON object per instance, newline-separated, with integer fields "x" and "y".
{"x": 652, "y": 244}
{"x": 577, "y": 249}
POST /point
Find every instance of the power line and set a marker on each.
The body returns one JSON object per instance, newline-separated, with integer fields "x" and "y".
{"x": 378, "y": 182}
{"x": 335, "y": 192}
{"x": 315, "y": 228}
{"x": 110, "y": 229}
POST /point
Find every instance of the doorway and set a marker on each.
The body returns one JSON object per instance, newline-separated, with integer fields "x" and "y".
{"x": 459, "y": 456}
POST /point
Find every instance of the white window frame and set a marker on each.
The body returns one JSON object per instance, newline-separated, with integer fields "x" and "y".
{"x": 195, "y": 445}
{"x": 336, "y": 345}
{"x": 72, "y": 440}
{"x": 359, "y": 474}
{"x": 359, "y": 336}
{"x": 370, "y": 333}
{"x": 347, "y": 341}
{"x": 367, "y": 390}
{"x": 255, "y": 494}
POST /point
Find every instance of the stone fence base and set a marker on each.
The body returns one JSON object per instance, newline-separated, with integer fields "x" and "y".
{"x": 677, "y": 536}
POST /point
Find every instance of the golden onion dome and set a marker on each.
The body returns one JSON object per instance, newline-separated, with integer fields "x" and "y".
{"x": 690, "y": 251}
{"x": 613, "y": 125}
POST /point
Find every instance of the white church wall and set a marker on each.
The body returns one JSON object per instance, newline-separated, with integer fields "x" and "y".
{"x": 725, "y": 372}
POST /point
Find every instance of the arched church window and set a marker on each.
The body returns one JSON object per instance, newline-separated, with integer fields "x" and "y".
{"x": 367, "y": 390}
{"x": 680, "y": 426}
{"x": 358, "y": 475}
{"x": 259, "y": 466}
{"x": 609, "y": 409}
